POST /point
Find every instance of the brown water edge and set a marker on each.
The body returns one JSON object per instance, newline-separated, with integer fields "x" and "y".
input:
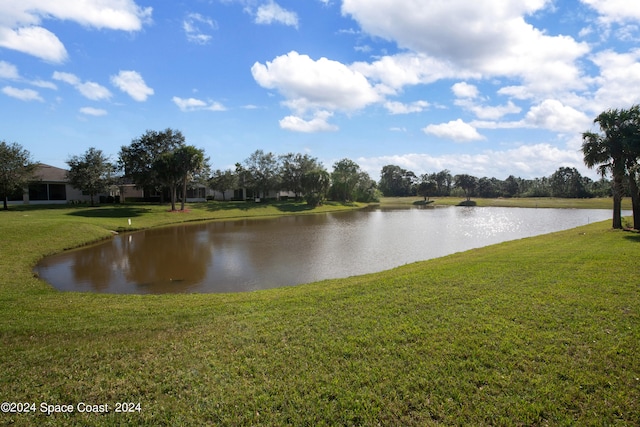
{"x": 252, "y": 254}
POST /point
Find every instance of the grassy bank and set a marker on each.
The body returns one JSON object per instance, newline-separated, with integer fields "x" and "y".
{"x": 544, "y": 330}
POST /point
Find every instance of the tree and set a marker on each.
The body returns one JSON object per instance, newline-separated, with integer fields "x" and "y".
{"x": 315, "y": 184}
{"x": 137, "y": 160}
{"x": 293, "y": 167}
{"x": 262, "y": 172}
{"x": 631, "y": 143}
{"x": 510, "y": 186}
{"x": 16, "y": 169}
{"x": 568, "y": 183}
{"x": 222, "y": 181}
{"x": 366, "y": 189}
{"x": 488, "y": 187}
{"x": 467, "y": 183}
{"x": 91, "y": 172}
{"x": 168, "y": 174}
{"x": 606, "y": 151}
{"x": 396, "y": 182}
{"x": 177, "y": 167}
{"x": 344, "y": 177}
{"x": 191, "y": 161}
{"x": 427, "y": 187}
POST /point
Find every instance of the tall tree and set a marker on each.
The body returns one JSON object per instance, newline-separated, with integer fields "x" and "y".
{"x": 443, "y": 181}
{"x": 315, "y": 185}
{"x": 366, "y": 189}
{"x": 168, "y": 174}
{"x": 222, "y": 181}
{"x": 293, "y": 167}
{"x": 191, "y": 161}
{"x": 262, "y": 171}
{"x": 510, "y": 187}
{"x": 606, "y": 151}
{"x": 467, "y": 183}
{"x": 427, "y": 186}
{"x": 345, "y": 177}
{"x": 568, "y": 183}
{"x": 178, "y": 167}
{"x": 90, "y": 172}
{"x": 138, "y": 158}
{"x": 632, "y": 161}
{"x": 396, "y": 181}
{"x": 16, "y": 169}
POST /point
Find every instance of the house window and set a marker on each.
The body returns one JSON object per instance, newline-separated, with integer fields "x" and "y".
{"x": 47, "y": 192}
{"x": 38, "y": 192}
{"x": 57, "y": 192}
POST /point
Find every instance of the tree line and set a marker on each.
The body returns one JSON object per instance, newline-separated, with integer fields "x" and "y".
{"x": 160, "y": 161}
{"x": 566, "y": 182}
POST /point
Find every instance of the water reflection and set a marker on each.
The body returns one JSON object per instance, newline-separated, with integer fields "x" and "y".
{"x": 245, "y": 255}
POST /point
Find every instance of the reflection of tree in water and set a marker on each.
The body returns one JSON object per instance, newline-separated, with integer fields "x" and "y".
{"x": 174, "y": 257}
{"x": 93, "y": 265}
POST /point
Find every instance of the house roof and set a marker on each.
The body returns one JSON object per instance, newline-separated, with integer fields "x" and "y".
{"x": 50, "y": 173}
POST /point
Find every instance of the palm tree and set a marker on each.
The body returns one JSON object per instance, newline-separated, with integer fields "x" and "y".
{"x": 632, "y": 156}
{"x": 190, "y": 161}
{"x": 606, "y": 151}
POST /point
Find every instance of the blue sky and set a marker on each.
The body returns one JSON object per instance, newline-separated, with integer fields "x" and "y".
{"x": 489, "y": 87}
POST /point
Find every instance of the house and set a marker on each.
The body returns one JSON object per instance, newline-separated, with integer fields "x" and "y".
{"x": 49, "y": 185}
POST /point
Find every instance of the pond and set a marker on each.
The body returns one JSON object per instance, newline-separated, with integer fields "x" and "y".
{"x": 246, "y": 255}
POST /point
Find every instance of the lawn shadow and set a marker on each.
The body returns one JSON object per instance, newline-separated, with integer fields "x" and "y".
{"x": 632, "y": 235}
{"x": 228, "y": 205}
{"x": 295, "y": 207}
{"x": 110, "y": 212}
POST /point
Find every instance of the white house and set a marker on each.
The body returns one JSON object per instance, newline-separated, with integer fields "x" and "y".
{"x": 49, "y": 185}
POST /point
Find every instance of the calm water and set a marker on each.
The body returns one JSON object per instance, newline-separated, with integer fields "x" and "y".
{"x": 247, "y": 255}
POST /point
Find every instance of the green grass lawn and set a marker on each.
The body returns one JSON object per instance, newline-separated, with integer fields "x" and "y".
{"x": 538, "y": 331}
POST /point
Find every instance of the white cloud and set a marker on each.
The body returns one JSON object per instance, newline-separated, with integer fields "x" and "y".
{"x": 90, "y": 111}
{"x": 618, "y": 11}
{"x": 399, "y": 108}
{"x": 271, "y": 12}
{"x": 88, "y": 89}
{"x": 22, "y": 94}
{"x": 488, "y": 112}
{"x": 456, "y": 130}
{"x": 550, "y": 114}
{"x": 43, "y": 84}
{"x": 93, "y": 91}
{"x": 317, "y": 124}
{"x": 618, "y": 73}
{"x": 394, "y": 72}
{"x": 553, "y": 115}
{"x": 485, "y": 37}
{"x": 35, "y": 41}
{"x": 131, "y": 83}
{"x": 195, "y": 26}
{"x": 72, "y": 79}
{"x": 464, "y": 90}
{"x": 8, "y": 71}
{"x": 311, "y": 85}
{"x": 193, "y": 104}
{"x": 21, "y": 22}
{"x": 525, "y": 161}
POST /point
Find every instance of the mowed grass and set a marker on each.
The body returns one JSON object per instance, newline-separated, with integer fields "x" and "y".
{"x": 539, "y": 331}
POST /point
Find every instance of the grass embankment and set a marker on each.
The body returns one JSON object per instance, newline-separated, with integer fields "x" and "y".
{"x": 538, "y": 331}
